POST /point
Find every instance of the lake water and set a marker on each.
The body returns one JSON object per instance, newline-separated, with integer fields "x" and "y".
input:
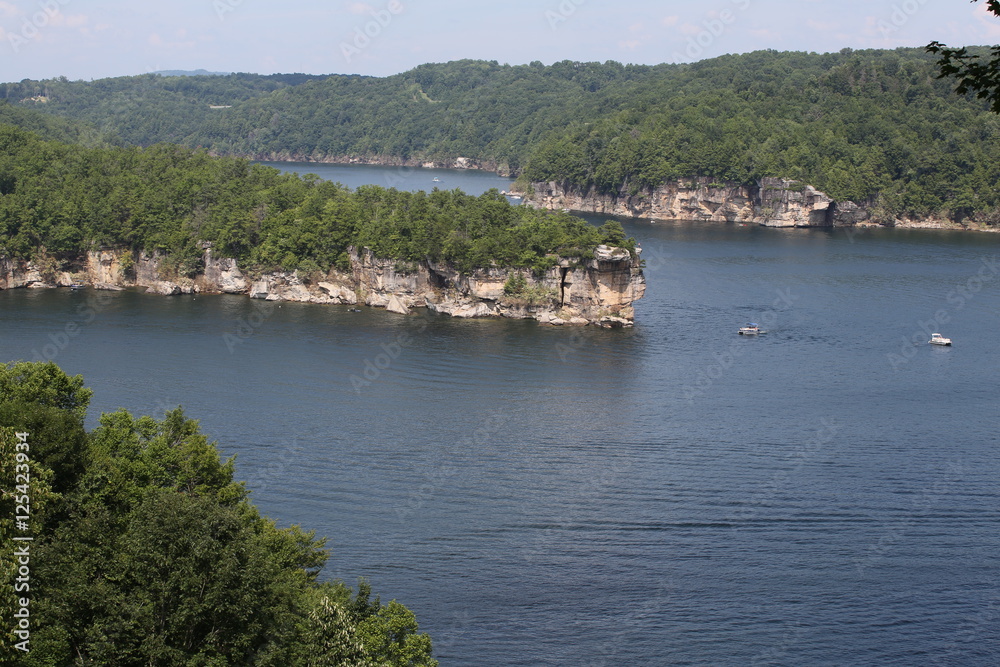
{"x": 826, "y": 494}
{"x": 473, "y": 181}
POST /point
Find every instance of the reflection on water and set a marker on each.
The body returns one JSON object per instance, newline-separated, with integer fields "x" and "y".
{"x": 472, "y": 181}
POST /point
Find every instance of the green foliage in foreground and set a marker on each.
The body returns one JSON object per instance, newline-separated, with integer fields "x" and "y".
{"x": 977, "y": 70}
{"x": 69, "y": 199}
{"x": 147, "y": 552}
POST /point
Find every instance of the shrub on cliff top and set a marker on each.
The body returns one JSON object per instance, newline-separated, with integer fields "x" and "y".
{"x": 515, "y": 285}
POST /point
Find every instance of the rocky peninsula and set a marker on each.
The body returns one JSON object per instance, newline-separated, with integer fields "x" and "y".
{"x": 598, "y": 291}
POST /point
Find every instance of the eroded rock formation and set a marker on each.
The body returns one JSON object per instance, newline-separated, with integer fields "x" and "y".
{"x": 773, "y": 202}
{"x": 597, "y": 291}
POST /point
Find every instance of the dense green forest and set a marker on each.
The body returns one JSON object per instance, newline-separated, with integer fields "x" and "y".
{"x": 150, "y": 108}
{"x": 873, "y": 126}
{"x": 465, "y": 108}
{"x": 69, "y": 199}
{"x": 54, "y": 128}
{"x": 110, "y": 508}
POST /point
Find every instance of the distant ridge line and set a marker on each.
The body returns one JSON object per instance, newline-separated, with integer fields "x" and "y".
{"x": 197, "y": 72}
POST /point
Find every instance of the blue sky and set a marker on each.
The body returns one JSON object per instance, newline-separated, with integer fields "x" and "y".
{"x": 88, "y": 40}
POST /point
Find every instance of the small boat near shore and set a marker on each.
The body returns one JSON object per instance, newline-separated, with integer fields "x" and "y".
{"x": 938, "y": 339}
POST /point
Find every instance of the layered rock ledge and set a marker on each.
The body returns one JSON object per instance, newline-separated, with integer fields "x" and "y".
{"x": 599, "y": 291}
{"x": 772, "y": 202}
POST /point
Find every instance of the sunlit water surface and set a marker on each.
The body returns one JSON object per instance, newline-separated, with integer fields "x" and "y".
{"x": 826, "y": 493}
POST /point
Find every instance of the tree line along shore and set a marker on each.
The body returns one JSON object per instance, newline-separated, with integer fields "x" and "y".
{"x": 875, "y": 127}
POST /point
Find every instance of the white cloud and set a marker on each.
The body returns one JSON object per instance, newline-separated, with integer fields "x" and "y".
{"x": 69, "y": 21}
{"x": 822, "y": 26}
{"x": 766, "y": 35}
{"x": 870, "y": 33}
{"x": 988, "y": 22}
{"x": 690, "y": 29}
{"x": 157, "y": 41}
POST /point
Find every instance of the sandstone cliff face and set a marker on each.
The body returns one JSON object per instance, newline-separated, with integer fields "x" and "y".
{"x": 222, "y": 275}
{"x": 104, "y": 267}
{"x": 14, "y": 273}
{"x": 773, "y": 202}
{"x": 597, "y": 291}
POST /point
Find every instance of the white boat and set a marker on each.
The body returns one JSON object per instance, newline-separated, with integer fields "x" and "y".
{"x": 938, "y": 339}
{"x": 435, "y": 180}
{"x": 751, "y": 329}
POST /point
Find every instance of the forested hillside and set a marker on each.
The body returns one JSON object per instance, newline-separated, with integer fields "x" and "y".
{"x": 465, "y": 108}
{"x": 149, "y": 108}
{"x": 69, "y": 199}
{"x": 874, "y": 126}
{"x": 53, "y": 127}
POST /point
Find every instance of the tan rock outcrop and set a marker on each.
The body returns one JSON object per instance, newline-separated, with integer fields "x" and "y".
{"x": 222, "y": 275}
{"x": 773, "y": 202}
{"x": 163, "y": 288}
{"x": 339, "y": 293}
{"x": 571, "y": 292}
{"x": 287, "y": 287}
{"x": 396, "y": 305}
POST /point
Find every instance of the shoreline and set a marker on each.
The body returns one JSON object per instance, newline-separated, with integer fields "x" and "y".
{"x": 598, "y": 291}
{"x": 771, "y": 202}
{"x": 463, "y": 163}
{"x": 472, "y": 164}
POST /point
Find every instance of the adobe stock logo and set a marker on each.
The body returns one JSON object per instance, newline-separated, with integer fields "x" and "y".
{"x": 33, "y": 25}
{"x": 901, "y": 15}
{"x": 566, "y": 9}
{"x": 223, "y": 7}
{"x": 363, "y": 35}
